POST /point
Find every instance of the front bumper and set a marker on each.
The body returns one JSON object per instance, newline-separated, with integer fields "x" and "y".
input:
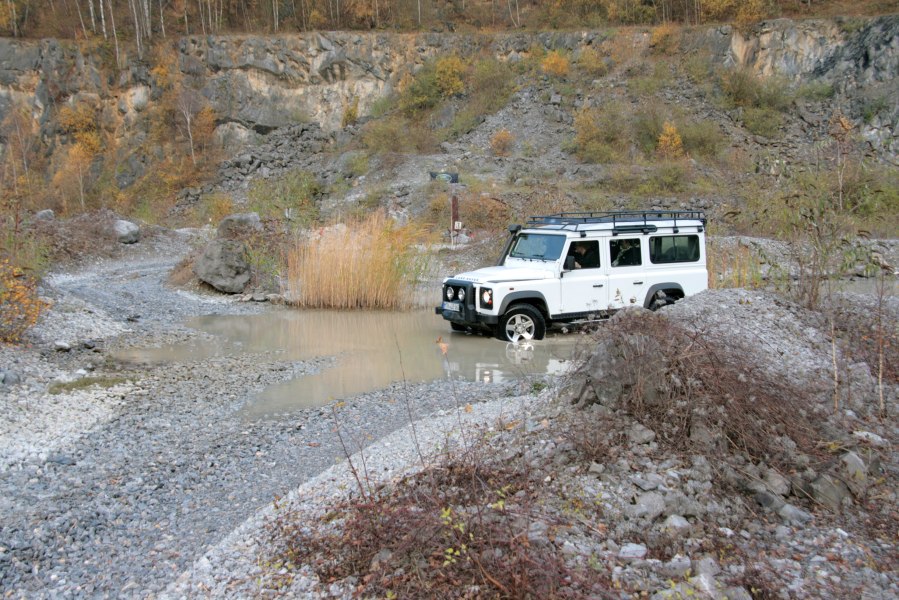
{"x": 467, "y": 315}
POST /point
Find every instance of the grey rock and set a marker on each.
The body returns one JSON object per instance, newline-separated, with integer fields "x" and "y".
{"x": 794, "y": 515}
{"x": 855, "y": 473}
{"x": 706, "y": 566}
{"x": 777, "y": 483}
{"x": 678, "y": 566}
{"x": 871, "y": 438}
{"x": 61, "y": 459}
{"x": 829, "y": 491}
{"x": 675, "y": 524}
{"x": 8, "y": 377}
{"x": 44, "y": 215}
{"x": 647, "y": 506}
{"x": 632, "y": 552}
{"x": 768, "y": 500}
{"x": 239, "y": 225}
{"x": 639, "y": 434}
{"x": 126, "y": 232}
{"x": 61, "y": 346}
{"x": 223, "y": 265}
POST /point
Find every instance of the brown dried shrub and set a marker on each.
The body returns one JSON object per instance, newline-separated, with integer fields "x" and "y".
{"x": 697, "y": 393}
{"x": 458, "y": 529}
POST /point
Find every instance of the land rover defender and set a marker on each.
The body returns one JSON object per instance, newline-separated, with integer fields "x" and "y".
{"x": 583, "y": 266}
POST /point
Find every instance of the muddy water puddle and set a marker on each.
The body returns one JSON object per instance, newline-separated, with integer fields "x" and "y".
{"x": 369, "y": 350}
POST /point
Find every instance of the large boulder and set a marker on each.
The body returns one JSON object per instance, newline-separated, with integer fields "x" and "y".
{"x": 239, "y": 225}
{"x": 223, "y": 265}
{"x": 126, "y": 232}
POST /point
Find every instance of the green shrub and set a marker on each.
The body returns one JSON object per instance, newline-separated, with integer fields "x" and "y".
{"x": 669, "y": 177}
{"x": 435, "y": 81}
{"x": 744, "y": 88}
{"x": 600, "y": 134}
{"x": 591, "y": 62}
{"x": 762, "y": 121}
{"x": 874, "y": 106}
{"x": 387, "y": 135}
{"x": 350, "y": 112}
{"x": 740, "y": 87}
{"x": 357, "y": 164}
{"x": 212, "y": 208}
{"x": 61, "y": 387}
{"x": 293, "y": 196}
{"x": 698, "y": 67}
{"x": 816, "y": 91}
{"x": 648, "y": 124}
{"x": 701, "y": 138}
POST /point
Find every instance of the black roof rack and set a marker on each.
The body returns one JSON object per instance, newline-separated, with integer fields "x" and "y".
{"x": 575, "y": 219}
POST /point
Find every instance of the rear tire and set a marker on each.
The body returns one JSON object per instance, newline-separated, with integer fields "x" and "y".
{"x": 458, "y": 327}
{"x": 521, "y": 323}
{"x": 660, "y": 300}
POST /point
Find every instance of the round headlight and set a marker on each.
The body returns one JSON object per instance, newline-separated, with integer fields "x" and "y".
{"x": 486, "y": 297}
{"x": 449, "y": 293}
{"x": 461, "y": 294}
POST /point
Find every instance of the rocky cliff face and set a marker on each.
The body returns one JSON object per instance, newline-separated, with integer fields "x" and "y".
{"x": 258, "y": 84}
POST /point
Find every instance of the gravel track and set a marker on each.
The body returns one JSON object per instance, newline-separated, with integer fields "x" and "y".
{"x": 115, "y": 491}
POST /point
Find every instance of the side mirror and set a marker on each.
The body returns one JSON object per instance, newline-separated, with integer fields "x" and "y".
{"x": 569, "y": 263}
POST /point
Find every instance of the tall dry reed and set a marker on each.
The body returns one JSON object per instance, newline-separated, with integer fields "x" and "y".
{"x": 367, "y": 264}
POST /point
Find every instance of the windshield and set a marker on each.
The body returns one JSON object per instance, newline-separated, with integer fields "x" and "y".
{"x": 537, "y": 246}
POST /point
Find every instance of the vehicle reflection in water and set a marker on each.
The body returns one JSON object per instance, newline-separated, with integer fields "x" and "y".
{"x": 372, "y": 350}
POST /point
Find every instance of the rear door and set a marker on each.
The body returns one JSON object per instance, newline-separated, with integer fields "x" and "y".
{"x": 627, "y": 274}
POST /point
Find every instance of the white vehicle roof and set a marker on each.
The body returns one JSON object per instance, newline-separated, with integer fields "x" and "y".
{"x": 619, "y": 221}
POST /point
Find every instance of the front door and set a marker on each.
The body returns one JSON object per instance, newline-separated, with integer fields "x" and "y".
{"x": 585, "y": 287}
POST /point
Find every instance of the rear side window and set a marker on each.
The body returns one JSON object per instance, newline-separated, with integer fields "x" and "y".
{"x": 674, "y": 249}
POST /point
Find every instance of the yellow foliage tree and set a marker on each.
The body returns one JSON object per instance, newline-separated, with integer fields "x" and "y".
{"x": 449, "y": 71}
{"x": 670, "y": 143}
{"x": 72, "y": 177}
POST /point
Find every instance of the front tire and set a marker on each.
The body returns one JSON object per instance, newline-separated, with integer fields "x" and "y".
{"x": 521, "y": 323}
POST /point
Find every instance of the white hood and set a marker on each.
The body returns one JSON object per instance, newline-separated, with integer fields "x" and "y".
{"x": 507, "y": 274}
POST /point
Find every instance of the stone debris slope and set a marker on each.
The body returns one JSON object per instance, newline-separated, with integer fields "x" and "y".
{"x": 699, "y": 518}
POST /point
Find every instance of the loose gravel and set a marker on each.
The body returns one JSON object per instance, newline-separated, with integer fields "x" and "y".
{"x": 115, "y": 489}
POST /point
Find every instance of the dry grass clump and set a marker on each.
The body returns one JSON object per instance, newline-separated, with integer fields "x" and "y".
{"x": 366, "y": 264}
{"x": 697, "y": 394}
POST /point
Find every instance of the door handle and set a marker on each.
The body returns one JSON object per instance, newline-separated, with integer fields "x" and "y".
{"x": 638, "y": 283}
{"x": 598, "y": 285}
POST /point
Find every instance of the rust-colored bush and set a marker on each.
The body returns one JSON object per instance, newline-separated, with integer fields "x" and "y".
{"x": 20, "y": 306}
{"x": 501, "y": 142}
{"x": 555, "y": 64}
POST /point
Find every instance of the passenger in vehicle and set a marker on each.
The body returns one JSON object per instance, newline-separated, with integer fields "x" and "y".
{"x": 626, "y": 253}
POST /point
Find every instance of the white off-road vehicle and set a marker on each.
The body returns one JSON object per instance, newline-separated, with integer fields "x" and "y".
{"x": 572, "y": 267}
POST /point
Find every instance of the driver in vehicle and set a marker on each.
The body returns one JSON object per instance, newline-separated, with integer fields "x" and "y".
{"x": 586, "y": 255}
